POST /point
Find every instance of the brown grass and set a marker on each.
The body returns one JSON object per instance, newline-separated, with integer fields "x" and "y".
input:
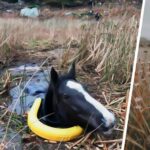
{"x": 138, "y": 135}
{"x": 20, "y": 34}
{"x": 109, "y": 48}
{"x": 104, "y": 51}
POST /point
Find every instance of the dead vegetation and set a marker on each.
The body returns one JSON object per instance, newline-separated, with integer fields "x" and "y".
{"x": 139, "y": 126}
{"x": 104, "y": 52}
{"x": 109, "y": 48}
{"x": 18, "y": 35}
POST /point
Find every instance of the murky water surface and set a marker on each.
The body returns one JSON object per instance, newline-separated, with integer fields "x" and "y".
{"x": 34, "y": 84}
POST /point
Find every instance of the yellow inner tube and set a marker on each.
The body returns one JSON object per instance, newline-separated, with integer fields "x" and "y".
{"x": 47, "y": 132}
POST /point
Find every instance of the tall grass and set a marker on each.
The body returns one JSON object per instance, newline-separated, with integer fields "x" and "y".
{"x": 138, "y": 135}
{"x": 109, "y": 47}
{"x": 23, "y": 34}
{"x": 106, "y": 47}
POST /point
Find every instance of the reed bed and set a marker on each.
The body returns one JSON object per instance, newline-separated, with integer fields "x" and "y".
{"x": 104, "y": 54}
{"x": 109, "y": 48}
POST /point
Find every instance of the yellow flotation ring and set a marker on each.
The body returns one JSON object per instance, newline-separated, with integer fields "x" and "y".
{"x": 48, "y": 132}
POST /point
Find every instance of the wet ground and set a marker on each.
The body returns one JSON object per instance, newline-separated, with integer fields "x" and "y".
{"x": 110, "y": 95}
{"x": 36, "y": 88}
{"x": 29, "y": 140}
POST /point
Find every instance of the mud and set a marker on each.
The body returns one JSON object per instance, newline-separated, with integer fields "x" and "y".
{"x": 95, "y": 87}
{"x": 12, "y": 140}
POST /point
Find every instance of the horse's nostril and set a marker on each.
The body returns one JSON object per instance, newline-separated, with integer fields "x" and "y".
{"x": 112, "y": 121}
{"x": 112, "y": 125}
{"x": 109, "y": 127}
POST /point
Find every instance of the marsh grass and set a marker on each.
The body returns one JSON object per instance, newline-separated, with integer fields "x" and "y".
{"x": 109, "y": 47}
{"x": 103, "y": 50}
{"x": 138, "y": 135}
{"x": 19, "y": 35}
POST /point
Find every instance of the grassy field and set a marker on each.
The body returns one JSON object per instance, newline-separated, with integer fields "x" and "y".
{"x": 104, "y": 52}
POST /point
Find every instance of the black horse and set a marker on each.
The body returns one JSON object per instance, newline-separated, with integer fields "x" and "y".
{"x": 67, "y": 103}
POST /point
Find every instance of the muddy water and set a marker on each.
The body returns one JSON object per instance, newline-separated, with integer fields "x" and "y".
{"x": 34, "y": 85}
{"x": 12, "y": 139}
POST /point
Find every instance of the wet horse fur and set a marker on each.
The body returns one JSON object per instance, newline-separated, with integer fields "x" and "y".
{"x": 67, "y": 103}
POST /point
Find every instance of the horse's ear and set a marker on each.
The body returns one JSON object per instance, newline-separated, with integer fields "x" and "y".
{"x": 72, "y": 71}
{"x": 53, "y": 77}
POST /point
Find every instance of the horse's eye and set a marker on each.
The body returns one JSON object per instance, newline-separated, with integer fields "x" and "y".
{"x": 66, "y": 96}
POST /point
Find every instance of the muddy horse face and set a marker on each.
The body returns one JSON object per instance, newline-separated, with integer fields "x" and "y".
{"x": 73, "y": 105}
